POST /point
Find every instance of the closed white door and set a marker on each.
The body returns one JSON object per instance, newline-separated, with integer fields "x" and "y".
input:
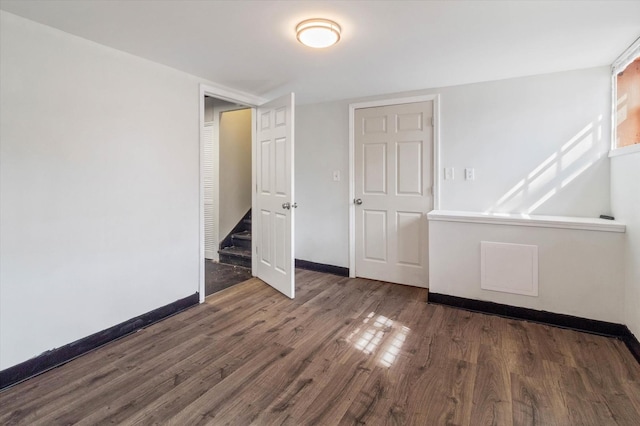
{"x": 393, "y": 192}
{"x": 273, "y": 212}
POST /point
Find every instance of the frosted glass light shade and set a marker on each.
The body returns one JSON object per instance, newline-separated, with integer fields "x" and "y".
{"x": 318, "y": 33}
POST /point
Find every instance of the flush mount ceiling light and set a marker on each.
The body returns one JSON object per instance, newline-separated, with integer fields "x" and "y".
{"x": 318, "y": 33}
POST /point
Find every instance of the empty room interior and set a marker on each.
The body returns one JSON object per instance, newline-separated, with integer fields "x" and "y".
{"x": 429, "y": 210}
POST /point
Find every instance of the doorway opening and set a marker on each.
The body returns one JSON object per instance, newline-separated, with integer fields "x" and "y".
{"x": 272, "y": 187}
{"x": 227, "y": 168}
{"x": 242, "y": 101}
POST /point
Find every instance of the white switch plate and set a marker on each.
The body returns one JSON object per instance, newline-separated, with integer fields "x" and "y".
{"x": 448, "y": 173}
{"x": 336, "y": 175}
{"x": 469, "y": 174}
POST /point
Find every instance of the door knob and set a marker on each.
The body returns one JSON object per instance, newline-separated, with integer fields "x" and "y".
{"x": 358, "y": 201}
{"x": 289, "y": 206}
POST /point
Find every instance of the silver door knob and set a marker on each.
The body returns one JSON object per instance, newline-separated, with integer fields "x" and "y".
{"x": 286, "y": 206}
{"x": 357, "y": 201}
{"x": 294, "y": 205}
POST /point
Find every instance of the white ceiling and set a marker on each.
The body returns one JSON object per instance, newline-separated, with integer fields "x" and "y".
{"x": 386, "y": 46}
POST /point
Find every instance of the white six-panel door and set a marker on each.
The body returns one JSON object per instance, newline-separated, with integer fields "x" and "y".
{"x": 393, "y": 192}
{"x": 274, "y": 209}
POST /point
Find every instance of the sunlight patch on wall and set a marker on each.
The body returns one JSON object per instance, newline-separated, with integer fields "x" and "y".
{"x": 558, "y": 170}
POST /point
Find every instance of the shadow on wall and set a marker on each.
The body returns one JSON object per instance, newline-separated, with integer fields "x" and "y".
{"x": 564, "y": 166}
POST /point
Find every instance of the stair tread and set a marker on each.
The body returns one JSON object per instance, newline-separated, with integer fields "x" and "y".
{"x": 236, "y": 251}
{"x": 243, "y": 235}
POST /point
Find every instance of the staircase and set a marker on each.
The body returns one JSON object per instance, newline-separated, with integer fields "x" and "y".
{"x": 235, "y": 249}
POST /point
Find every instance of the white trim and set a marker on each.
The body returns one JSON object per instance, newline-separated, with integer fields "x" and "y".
{"x": 629, "y": 55}
{"x": 436, "y": 152}
{"x": 625, "y": 150}
{"x": 436, "y": 159}
{"x": 352, "y": 191}
{"x": 201, "y": 286}
{"x": 614, "y": 107}
{"x": 516, "y": 219}
{"x": 394, "y": 101}
{"x": 254, "y": 190}
{"x": 230, "y": 95}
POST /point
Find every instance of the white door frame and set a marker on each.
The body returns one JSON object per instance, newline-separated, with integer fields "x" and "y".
{"x": 435, "y": 166}
{"x": 235, "y": 96}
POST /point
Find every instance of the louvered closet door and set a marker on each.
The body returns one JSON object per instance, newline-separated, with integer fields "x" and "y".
{"x": 210, "y": 209}
{"x": 393, "y": 186}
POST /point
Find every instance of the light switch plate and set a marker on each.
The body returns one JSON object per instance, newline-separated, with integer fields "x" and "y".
{"x": 469, "y": 174}
{"x": 448, "y": 173}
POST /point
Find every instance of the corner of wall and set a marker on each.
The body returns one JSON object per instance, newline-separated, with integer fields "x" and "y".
{"x": 625, "y": 206}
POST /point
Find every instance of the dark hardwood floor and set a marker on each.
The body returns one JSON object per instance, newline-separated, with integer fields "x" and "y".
{"x": 219, "y": 276}
{"x": 345, "y": 351}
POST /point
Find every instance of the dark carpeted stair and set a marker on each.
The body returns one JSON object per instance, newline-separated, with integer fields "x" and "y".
{"x": 235, "y": 249}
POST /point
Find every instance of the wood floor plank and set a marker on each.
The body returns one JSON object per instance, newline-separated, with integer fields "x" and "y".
{"x": 194, "y": 386}
{"x": 620, "y": 408}
{"x": 632, "y": 388}
{"x": 205, "y": 409}
{"x": 52, "y": 384}
{"x": 536, "y": 402}
{"x": 492, "y": 401}
{"x": 92, "y": 397}
{"x": 344, "y": 380}
{"x": 441, "y": 393}
{"x": 371, "y": 403}
{"x": 345, "y": 351}
{"x": 550, "y": 344}
{"x": 279, "y": 377}
{"x": 291, "y": 405}
{"x": 196, "y": 373}
{"x": 113, "y": 368}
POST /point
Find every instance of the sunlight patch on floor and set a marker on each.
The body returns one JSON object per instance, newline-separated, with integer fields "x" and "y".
{"x": 377, "y": 332}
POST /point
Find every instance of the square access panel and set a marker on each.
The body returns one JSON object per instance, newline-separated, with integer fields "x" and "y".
{"x": 509, "y": 268}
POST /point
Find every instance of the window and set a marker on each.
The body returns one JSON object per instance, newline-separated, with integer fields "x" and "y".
{"x": 626, "y": 100}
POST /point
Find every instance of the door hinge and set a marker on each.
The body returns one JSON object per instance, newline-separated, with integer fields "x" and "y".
{"x": 433, "y": 122}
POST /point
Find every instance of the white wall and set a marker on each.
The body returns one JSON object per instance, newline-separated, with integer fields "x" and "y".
{"x": 322, "y": 216}
{"x": 580, "y": 272}
{"x": 99, "y": 163}
{"x": 235, "y": 168}
{"x": 625, "y": 205}
{"x": 538, "y": 145}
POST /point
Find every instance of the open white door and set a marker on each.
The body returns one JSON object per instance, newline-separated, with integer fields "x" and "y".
{"x": 274, "y": 206}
